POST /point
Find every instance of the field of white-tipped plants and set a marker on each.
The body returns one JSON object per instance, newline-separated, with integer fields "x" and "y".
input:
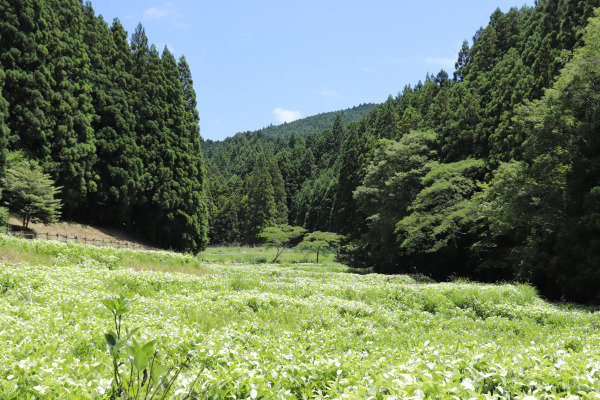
{"x": 285, "y": 331}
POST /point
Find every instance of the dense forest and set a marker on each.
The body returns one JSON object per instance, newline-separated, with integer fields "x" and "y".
{"x": 113, "y": 121}
{"x": 491, "y": 172}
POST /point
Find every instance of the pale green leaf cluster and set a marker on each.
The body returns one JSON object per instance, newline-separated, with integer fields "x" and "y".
{"x": 289, "y": 331}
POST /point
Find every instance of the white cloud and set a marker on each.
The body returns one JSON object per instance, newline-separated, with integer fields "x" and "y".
{"x": 156, "y": 12}
{"x": 283, "y": 115}
{"x": 167, "y": 12}
{"x": 446, "y": 63}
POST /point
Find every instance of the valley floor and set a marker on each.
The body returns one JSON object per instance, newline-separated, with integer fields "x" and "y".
{"x": 286, "y": 331}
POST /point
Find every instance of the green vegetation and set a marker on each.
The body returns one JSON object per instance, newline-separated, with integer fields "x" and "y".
{"x": 144, "y": 376}
{"x": 261, "y": 255}
{"x": 113, "y": 123}
{"x": 286, "y": 331}
{"x": 29, "y": 192}
{"x": 490, "y": 172}
{"x": 281, "y": 237}
{"x": 319, "y": 241}
{"x": 305, "y": 127}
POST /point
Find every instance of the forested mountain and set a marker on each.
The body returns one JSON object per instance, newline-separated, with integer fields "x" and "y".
{"x": 113, "y": 122}
{"x": 316, "y": 123}
{"x": 489, "y": 172}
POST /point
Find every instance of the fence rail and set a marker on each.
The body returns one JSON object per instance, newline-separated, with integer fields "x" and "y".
{"x": 79, "y": 239}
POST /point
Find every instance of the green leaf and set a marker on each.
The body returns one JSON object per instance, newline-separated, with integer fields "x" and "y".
{"x": 148, "y": 348}
{"x": 109, "y": 304}
{"x": 140, "y": 361}
{"x": 111, "y": 338}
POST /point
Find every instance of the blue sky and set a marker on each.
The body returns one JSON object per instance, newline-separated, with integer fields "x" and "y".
{"x": 256, "y": 63}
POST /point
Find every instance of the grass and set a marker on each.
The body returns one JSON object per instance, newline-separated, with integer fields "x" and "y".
{"x": 287, "y": 331}
{"x": 260, "y": 255}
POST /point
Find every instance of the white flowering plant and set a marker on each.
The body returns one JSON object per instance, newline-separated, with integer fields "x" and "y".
{"x": 285, "y": 331}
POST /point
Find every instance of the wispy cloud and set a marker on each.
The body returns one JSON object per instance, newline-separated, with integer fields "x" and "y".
{"x": 167, "y": 12}
{"x": 330, "y": 93}
{"x": 283, "y": 115}
{"x": 160, "y": 12}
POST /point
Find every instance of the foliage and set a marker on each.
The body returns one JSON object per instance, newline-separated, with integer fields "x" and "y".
{"x": 4, "y": 216}
{"x": 112, "y": 122}
{"x": 260, "y": 255}
{"x": 392, "y": 181}
{"x": 30, "y": 193}
{"x": 318, "y": 241}
{"x": 545, "y": 205}
{"x": 440, "y": 211}
{"x": 144, "y": 368}
{"x": 289, "y": 331}
{"x": 281, "y": 237}
{"x": 266, "y": 198}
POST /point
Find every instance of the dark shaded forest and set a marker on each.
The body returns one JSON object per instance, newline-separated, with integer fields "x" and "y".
{"x": 490, "y": 171}
{"x": 112, "y": 120}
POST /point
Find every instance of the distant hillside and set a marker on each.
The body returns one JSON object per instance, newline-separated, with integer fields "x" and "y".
{"x": 316, "y": 123}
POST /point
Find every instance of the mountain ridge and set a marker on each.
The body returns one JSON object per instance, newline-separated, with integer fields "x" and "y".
{"x": 306, "y": 126}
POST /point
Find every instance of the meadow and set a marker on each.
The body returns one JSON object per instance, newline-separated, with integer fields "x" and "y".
{"x": 284, "y": 331}
{"x": 259, "y": 255}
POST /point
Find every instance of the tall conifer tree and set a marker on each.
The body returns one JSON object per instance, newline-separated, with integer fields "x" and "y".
{"x": 262, "y": 206}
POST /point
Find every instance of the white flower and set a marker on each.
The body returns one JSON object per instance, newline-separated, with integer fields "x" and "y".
{"x": 40, "y": 388}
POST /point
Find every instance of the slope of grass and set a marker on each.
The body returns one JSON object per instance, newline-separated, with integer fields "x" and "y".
{"x": 287, "y": 331}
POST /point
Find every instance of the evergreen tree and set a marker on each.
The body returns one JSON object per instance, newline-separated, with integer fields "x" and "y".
{"x": 4, "y": 131}
{"x": 24, "y": 32}
{"x": 261, "y": 210}
{"x": 189, "y": 95}
{"x": 187, "y": 227}
{"x": 546, "y": 206}
{"x": 117, "y": 166}
{"x": 70, "y": 115}
{"x": 29, "y": 192}
{"x": 347, "y": 219}
{"x": 279, "y": 191}
{"x": 338, "y": 131}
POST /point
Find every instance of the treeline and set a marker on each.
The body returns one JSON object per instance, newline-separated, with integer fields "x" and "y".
{"x": 491, "y": 172}
{"x": 316, "y": 124}
{"x": 113, "y": 122}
